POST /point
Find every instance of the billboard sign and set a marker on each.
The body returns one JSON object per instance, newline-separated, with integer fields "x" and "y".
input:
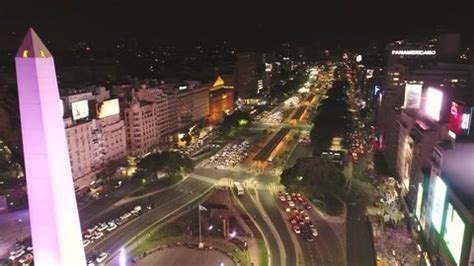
{"x": 413, "y": 52}
{"x": 434, "y": 99}
{"x": 412, "y": 96}
{"x": 419, "y": 199}
{"x": 453, "y": 235}
{"x": 456, "y": 117}
{"x": 108, "y": 108}
{"x": 439, "y": 197}
{"x": 80, "y": 109}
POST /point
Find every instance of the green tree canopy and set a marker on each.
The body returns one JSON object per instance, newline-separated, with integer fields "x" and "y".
{"x": 168, "y": 162}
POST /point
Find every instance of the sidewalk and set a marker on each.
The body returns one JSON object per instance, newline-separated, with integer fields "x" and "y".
{"x": 393, "y": 244}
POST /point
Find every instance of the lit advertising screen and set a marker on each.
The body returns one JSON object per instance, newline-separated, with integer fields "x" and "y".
{"x": 412, "y": 96}
{"x": 61, "y": 106}
{"x": 455, "y": 117}
{"x": 434, "y": 99}
{"x": 108, "y": 108}
{"x": 419, "y": 199}
{"x": 453, "y": 234}
{"x": 437, "y": 208}
{"x": 80, "y": 109}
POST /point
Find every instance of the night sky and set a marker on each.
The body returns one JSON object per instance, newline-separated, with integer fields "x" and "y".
{"x": 251, "y": 24}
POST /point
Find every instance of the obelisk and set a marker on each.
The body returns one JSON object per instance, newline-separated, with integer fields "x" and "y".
{"x": 54, "y": 217}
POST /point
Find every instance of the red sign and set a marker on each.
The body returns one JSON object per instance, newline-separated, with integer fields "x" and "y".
{"x": 455, "y": 117}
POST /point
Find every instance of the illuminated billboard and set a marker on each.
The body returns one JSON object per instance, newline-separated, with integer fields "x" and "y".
{"x": 108, "y": 108}
{"x": 80, "y": 109}
{"x": 459, "y": 118}
{"x": 453, "y": 234}
{"x": 412, "y": 96}
{"x": 434, "y": 99}
{"x": 455, "y": 117}
{"x": 419, "y": 199}
{"x": 439, "y": 197}
{"x": 61, "y": 106}
{"x": 413, "y": 52}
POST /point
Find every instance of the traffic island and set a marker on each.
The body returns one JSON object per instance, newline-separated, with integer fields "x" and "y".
{"x": 224, "y": 230}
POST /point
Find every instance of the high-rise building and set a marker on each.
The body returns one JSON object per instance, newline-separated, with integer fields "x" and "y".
{"x": 148, "y": 121}
{"x": 54, "y": 217}
{"x": 95, "y": 133}
{"x": 247, "y": 75}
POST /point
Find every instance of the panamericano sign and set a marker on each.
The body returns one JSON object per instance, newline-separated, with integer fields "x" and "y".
{"x": 413, "y": 52}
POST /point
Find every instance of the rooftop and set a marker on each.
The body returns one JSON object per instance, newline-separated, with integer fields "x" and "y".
{"x": 266, "y": 151}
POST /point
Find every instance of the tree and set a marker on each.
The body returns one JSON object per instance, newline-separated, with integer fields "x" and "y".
{"x": 397, "y": 246}
{"x": 173, "y": 164}
{"x": 315, "y": 175}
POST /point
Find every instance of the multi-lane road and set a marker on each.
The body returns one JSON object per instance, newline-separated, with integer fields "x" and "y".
{"x": 168, "y": 202}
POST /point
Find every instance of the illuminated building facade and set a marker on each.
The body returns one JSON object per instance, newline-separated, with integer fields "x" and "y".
{"x": 95, "y": 133}
{"x": 147, "y": 120}
{"x": 445, "y": 203}
{"x": 54, "y": 217}
{"x": 221, "y": 101}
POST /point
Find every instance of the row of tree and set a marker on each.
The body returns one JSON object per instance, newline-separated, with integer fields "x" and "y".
{"x": 167, "y": 164}
{"x": 332, "y": 118}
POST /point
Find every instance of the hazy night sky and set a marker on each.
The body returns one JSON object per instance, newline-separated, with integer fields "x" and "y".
{"x": 354, "y": 21}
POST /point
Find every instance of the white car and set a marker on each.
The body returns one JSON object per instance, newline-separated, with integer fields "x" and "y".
{"x": 91, "y": 230}
{"x": 314, "y": 232}
{"x": 102, "y": 256}
{"x": 86, "y": 242}
{"x": 97, "y": 235}
{"x": 111, "y": 227}
{"x": 282, "y": 198}
{"x": 16, "y": 254}
{"x": 297, "y": 229}
{"x": 291, "y": 203}
{"x": 102, "y": 227}
{"x": 17, "y": 249}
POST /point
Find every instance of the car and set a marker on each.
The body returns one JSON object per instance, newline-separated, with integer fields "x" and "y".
{"x": 92, "y": 229}
{"x": 297, "y": 229}
{"x": 86, "y": 242}
{"x": 288, "y": 197}
{"x": 293, "y": 221}
{"x": 314, "y": 232}
{"x": 282, "y": 198}
{"x": 280, "y": 193}
{"x": 97, "y": 235}
{"x": 307, "y": 206}
{"x": 17, "y": 249}
{"x": 301, "y": 222}
{"x": 111, "y": 227}
{"x": 102, "y": 227}
{"x": 102, "y": 256}
{"x": 287, "y": 209}
{"x": 309, "y": 238}
{"x": 26, "y": 259}
{"x": 291, "y": 203}
{"x": 306, "y": 216}
{"x": 295, "y": 210}
{"x": 16, "y": 254}
{"x": 311, "y": 225}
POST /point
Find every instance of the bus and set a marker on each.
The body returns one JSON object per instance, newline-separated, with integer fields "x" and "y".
{"x": 239, "y": 188}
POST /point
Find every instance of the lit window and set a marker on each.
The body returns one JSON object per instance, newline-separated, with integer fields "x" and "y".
{"x": 25, "y": 53}
{"x": 42, "y": 54}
